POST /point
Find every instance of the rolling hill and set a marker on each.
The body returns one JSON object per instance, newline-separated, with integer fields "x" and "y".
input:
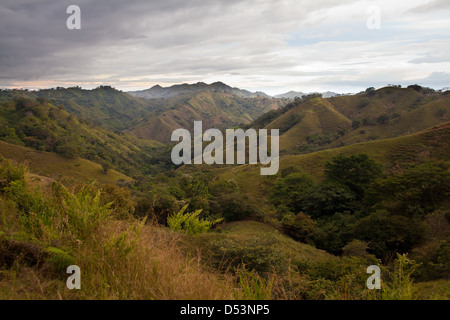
{"x": 104, "y": 106}
{"x": 216, "y": 109}
{"x": 48, "y": 166}
{"x": 158, "y": 92}
{"x": 315, "y": 123}
{"x": 40, "y": 125}
{"x": 430, "y": 144}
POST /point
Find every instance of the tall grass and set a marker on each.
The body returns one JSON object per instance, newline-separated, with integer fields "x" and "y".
{"x": 119, "y": 259}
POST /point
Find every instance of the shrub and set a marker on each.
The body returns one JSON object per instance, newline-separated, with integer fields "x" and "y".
{"x": 356, "y": 124}
{"x": 189, "y": 222}
{"x": 10, "y": 173}
{"x": 383, "y": 119}
{"x": 258, "y": 254}
{"x": 356, "y": 248}
{"x": 301, "y": 228}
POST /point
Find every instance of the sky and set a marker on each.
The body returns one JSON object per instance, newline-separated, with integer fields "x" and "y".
{"x": 259, "y": 45}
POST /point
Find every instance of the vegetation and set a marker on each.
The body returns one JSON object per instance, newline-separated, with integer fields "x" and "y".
{"x": 79, "y": 188}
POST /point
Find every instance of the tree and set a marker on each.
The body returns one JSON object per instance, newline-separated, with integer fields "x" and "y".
{"x": 327, "y": 199}
{"x": 425, "y": 185}
{"x": 387, "y": 234}
{"x": 291, "y": 190}
{"x": 383, "y": 119}
{"x": 67, "y": 150}
{"x": 356, "y": 172}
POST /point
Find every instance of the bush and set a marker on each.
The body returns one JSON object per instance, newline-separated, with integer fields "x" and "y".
{"x": 356, "y": 248}
{"x": 258, "y": 254}
{"x": 356, "y": 124}
{"x": 301, "y": 228}
{"x": 383, "y": 119}
{"x": 10, "y": 173}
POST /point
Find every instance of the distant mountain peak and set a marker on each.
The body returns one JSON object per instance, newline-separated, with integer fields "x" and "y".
{"x": 158, "y": 92}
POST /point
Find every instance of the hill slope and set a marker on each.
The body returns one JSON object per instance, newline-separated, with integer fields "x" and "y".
{"x": 54, "y": 166}
{"x": 42, "y": 126}
{"x": 158, "y": 92}
{"x": 314, "y": 123}
{"x": 104, "y": 106}
{"x": 216, "y": 109}
{"x": 431, "y": 144}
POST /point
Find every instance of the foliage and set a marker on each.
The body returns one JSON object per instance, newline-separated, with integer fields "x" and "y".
{"x": 189, "y": 222}
{"x": 400, "y": 285}
{"x": 388, "y": 234}
{"x": 253, "y": 286}
{"x": 256, "y": 254}
{"x": 356, "y": 172}
{"x": 328, "y": 198}
{"x": 301, "y": 228}
{"x": 424, "y": 185}
{"x": 291, "y": 190}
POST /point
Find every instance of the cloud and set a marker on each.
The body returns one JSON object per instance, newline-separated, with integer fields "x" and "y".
{"x": 431, "y": 6}
{"x": 260, "y": 44}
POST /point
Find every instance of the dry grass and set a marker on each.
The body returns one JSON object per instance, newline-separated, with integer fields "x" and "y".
{"x": 122, "y": 260}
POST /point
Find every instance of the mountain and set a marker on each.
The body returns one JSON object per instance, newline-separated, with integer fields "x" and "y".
{"x": 43, "y": 126}
{"x": 293, "y": 94}
{"x": 103, "y": 106}
{"x": 290, "y": 95}
{"x": 216, "y": 109}
{"x": 315, "y": 123}
{"x": 158, "y": 92}
{"x": 168, "y": 109}
{"x": 305, "y": 233}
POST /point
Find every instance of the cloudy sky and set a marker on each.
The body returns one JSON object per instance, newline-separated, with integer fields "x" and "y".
{"x": 272, "y": 46}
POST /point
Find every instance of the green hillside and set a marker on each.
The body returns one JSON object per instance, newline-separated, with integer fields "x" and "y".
{"x": 240, "y": 233}
{"x": 431, "y": 144}
{"x": 104, "y": 106}
{"x": 311, "y": 124}
{"x": 314, "y": 117}
{"x": 40, "y": 125}
{"x": 216, "y": 110}
{"x": 54, "y": 166}
{"x": 363, "y": 180}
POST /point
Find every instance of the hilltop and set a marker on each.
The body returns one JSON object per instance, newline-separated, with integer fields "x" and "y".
{"x": 216, "y": 109}
{"x": 158, "y": 92}
{"x": 314, "y": 123}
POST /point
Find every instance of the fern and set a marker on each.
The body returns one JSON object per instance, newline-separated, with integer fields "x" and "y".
{"x": 189, "y": 222}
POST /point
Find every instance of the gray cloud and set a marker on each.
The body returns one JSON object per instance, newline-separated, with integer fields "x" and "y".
{"x": 133, "y": 44}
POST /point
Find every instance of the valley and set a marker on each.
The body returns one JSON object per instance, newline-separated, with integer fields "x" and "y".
{"x": 87, "y": 178}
